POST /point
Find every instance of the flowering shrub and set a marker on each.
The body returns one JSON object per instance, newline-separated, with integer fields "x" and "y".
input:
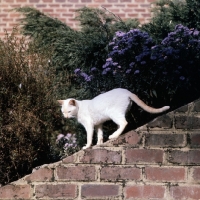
{"x": 128, "y": 56}
{"x": 135, "y": 62}
{"x": 67, "y": 144}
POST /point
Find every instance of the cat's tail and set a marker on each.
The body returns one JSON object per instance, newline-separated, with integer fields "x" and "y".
{"x": 147, "y": 108}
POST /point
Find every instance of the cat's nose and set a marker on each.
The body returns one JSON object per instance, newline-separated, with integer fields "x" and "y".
{"x": 65, "y": 115}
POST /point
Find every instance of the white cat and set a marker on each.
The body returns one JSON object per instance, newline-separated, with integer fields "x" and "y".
{"x": 111, "y": 105}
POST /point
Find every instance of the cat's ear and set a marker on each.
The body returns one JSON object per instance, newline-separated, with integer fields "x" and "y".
{"x": 61, "y": 102}
{"x": 72, "y": 102}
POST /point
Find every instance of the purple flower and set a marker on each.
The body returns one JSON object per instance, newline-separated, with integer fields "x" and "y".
{"x": 111, "y": 43}
{"x": 137, "y": 71}
{"x": 77, "y": 71}
{"x": 59, "y": 137}
{"x": 179, "y": 67}
{"x": 143, "y": 62}
{"x": 84, "y": 75}
{"x": 109, "y": 59}
{"x": 93, "y": 69}
{"x": 128, "y": 71}
{"x": 68, "y": 136}
{"x": 132, "y": 64}
{"x": 182, "y": 78}
{"x": 196, "y": 33}
{"x": 120, "y": 34}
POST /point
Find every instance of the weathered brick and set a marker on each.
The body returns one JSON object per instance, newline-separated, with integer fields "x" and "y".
{"x": 187, "y": 122}
{"x": 197, "y": 106}
{"x": 185, "y": 157}
{"x": 15, "y": 192}
{"x": 196, "y": 174}
{"x": 195, "y": 140}
{"x": 144, "y": 156}
{"x": 144, "y": 191}
{"x": 69, "y": 159}
{"x": 182, "y": 109}
{"x": 131, "y": 138}
{"x": 99, "y": 191}
{"x": 115, "y": 173}
{"x": 165, "y": 173}
{"x": 162, "y": 122}
{"x": 185, "y": 192}
{"x": 78, "y": 173}
{"x": 42, "y": 174}
{"x": 101, "y": 156}
{"x": 56, "y": 191}
{"x": 165, "y": 140}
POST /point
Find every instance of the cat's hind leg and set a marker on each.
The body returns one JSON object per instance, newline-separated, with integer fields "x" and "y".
{"x": 121, "y": 122}
{"x": 99, "y": 131}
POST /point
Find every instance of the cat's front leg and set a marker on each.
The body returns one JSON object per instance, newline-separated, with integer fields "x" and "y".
{"x": 89, "y": 130}
{"x": 99, "y": 134}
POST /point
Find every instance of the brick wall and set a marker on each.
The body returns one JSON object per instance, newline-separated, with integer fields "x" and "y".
{"x": 160, "y": 160}
{"x": 64, "y": 10}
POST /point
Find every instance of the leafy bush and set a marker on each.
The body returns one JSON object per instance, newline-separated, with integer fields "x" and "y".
{"x": 28, "y": 112}
{"x": 168, "y": 13}
{"x": 73, "y": 49}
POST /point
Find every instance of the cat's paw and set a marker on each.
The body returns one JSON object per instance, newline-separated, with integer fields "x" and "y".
{"x": 100, "y": 142}
{"x": 86, "y": 147}
{"x": 112, "y": 137}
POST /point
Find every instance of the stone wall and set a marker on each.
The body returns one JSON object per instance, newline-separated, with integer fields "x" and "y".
{"x": 65, "y": 10}
{"x": 160, "y": 160}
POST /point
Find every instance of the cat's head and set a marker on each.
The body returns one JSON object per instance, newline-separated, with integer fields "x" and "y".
{"x": 69, "y": 108}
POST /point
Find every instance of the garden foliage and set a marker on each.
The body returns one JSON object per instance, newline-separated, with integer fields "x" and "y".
{"x": 27, "y": 108}
{"x": 168, "y": 13}
{"x": 159, "y": 61}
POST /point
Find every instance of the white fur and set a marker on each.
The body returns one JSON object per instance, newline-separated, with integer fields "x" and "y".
{"x": 111, "y": 105}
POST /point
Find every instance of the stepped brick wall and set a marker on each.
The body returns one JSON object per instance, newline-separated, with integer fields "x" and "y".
{"x": 160, "y": 160}
{"x": 65, "y": 10}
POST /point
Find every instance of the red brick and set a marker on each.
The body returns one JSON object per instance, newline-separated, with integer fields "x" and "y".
{"x": 42, "y": 174}
{"x": 130, "y": 138}
{"x": 144, "y": 191}
{"x": 15, "y": 192}
{"x": 144, "y": 156}
{"x": 125, "y": 1}
{"x": 41, "y": 5}
{"x": 20, "y": 1}
{"x": 195, "y": 140}
{"x": 196, "y": 174}
{"x": 185, "y": 192}
{"x": 165, "y": 173}
{"x": 99, "y": 191}
{"x": 187, "y": 122}
{"x": 101, "y": 156}
{"x": 163, "y": 121}
{"x": 56, "y": 191}
{"x": 47, "y": 10}
{"x": 165, "y": 140}
{"x": 69, "y": 159}
{"x": 115, "y": 173}
{"x": 196, "y": 106}
{"x": 34, "y": 1}
{"x": 84, "y": 173}
{"x": 185, "y": 157}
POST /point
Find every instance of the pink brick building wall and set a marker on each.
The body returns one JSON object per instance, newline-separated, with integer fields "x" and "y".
{"x": 65, "y": 10}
